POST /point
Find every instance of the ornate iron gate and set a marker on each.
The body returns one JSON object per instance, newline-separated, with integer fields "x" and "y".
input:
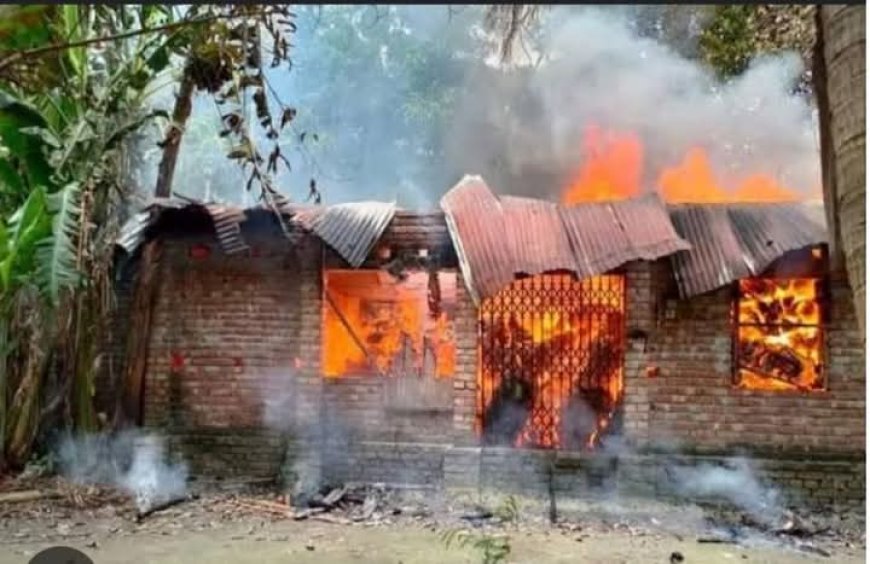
{"x": 551, "y": 361}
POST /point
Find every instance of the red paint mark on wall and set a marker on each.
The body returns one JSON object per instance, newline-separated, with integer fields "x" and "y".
{"x": 176, "y": 361}
{"x": 238, "y": 362}
{"x": 199, "y": 252}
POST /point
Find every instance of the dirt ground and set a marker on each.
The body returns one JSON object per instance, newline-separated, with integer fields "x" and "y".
{"x": 317, "y": 543}
{"x": 221, "y": 527}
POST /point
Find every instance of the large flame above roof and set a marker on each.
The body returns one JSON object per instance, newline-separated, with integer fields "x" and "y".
{"x": 613, "y": 169}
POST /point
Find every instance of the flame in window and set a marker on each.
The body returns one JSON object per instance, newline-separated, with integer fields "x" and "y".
{"x": 779, "y": 334}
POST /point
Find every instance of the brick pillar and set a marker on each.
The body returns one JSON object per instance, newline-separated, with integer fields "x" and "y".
{"x": 640, "y": 287}
{"x": 465, "y": 378}
{"x": 307, "y": 443}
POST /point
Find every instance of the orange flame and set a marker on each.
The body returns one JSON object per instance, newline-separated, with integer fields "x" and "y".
{"x": 779, "y": 334}
{"x": 612, "y": 169}
{"x": 533, "y": 342}
{"x": 374, "y": 323}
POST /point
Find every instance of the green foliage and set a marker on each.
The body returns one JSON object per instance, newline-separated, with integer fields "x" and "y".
{"x": 62, "y": 139}
{"x": 57, "y": 263}
{"x": 737, "y": 34}
{"x": 726, "y": 43}
{"x": 509, "y": 510}
{"x": 493, "y": 548}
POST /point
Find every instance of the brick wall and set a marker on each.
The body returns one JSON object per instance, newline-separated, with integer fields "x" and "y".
{"x": 692, "y": 400}
{"x": 228, "y": 334}
{"x": 806, "y": 483}
{"x": 231, "y": 333}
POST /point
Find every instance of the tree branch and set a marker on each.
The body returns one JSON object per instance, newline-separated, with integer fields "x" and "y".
{"x": 21, "y": 55}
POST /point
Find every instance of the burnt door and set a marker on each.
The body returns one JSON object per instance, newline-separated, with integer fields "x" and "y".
{"x": 551, "y": 361}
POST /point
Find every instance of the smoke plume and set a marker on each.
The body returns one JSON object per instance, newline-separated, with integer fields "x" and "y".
{"x": 129, "y": 460}
{"x": 523, "y": 130}
{"x": 405, "y": 100}
{"x": 737, "y": 484}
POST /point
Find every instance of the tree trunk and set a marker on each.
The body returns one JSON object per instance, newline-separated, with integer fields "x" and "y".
{"x": 840, "y": 83}
{"x": 139, "y": 337}
{"x": 172, "y": 142}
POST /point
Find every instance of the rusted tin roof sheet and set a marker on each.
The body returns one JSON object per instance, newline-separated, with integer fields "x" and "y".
{"x": 648, "y": 227}
{"x": 535, "y": 233}
{"x": 732, "y": 241}
{"x": 228, "y": 227}
{"x": 477, "y": 228}
{"x": 351, "y": 229}
{"x": 133, "y": 230}
{"x": 497, "y": 238}
{"x": 599, "y": 242}
{"x": 609, "y": 234}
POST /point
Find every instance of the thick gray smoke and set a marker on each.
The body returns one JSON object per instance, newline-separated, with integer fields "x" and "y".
{"x": 600, "y": 71}
{"x": 130, "y": 460}
{"x": 405, "y": 100}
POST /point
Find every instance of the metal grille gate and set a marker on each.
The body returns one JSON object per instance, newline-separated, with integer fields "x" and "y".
{"x": 551, "y": 361}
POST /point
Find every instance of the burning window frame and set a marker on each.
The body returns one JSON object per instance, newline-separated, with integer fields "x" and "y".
{"x": 809, "y": 265}
{"x": 418, "y": 358}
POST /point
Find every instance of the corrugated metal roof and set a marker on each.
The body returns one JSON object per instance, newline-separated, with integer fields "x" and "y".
{"x": 648, "y": 227}
{"x": 228, "y": 227}
{"x": 535, "y": 233}
{"x": 497, "y": 238}
{"x": 477, "y": 228}
{"x": 351, "y": 229}
{"x": 733, "y": 241}
{"x": 133, "y": 230}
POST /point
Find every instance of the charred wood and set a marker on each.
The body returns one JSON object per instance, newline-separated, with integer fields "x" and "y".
{"x": 141, "y": 515}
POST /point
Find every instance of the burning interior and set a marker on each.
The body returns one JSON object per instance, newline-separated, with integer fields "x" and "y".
{"x": 377, "y": 323}
{"x": 779, "y": 334}
{"x": 551, "y": 361}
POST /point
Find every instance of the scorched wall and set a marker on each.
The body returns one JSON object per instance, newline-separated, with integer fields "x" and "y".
{"x": 236, "y": 344}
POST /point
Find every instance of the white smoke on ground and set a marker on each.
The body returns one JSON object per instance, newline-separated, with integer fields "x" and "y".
{"x": 302, "y": 431}
{"x": 727, "y": 481}
{"x": 738, "y": 484}
{"x": 131, "y": 460}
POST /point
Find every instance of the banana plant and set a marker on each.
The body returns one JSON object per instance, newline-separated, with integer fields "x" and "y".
{"x": 62, "y": 135}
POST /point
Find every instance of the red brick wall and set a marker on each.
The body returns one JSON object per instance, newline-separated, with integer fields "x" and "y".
{"x": 692, "y": 400}
{"x": 225, "y": 323}
{"x": 240, "y": 328}
{"x": 231, "y": 331}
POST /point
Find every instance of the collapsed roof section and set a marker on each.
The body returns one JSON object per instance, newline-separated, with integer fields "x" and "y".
{"x": 352, "y": 229}
{"x": 498, "y": 238}
{"x": 733, "y": 241}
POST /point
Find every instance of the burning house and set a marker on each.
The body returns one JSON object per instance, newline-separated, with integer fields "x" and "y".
{"x": 496, "y": 342}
